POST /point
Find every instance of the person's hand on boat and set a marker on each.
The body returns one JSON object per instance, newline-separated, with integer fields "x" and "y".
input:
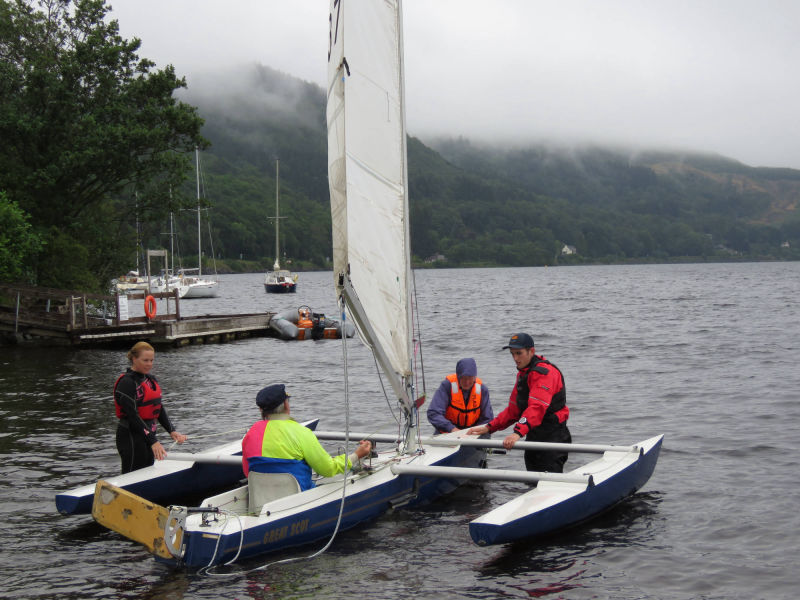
{"x": 178, "y": 437}
{"x": 364, "y": 448}
{"x": 158, "y": 451}
{"x": 510, "y": 440}
{"x": 479, "y": 430}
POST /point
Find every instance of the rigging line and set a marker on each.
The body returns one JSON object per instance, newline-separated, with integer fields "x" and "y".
{"x": 377, "y": 370}
{"x": 209, "y": 435}
{"x": 211, "y": 243}
{"x": 204, "y": 195}
{"x": 240, "y": 430}
{"x": 415, "y": 312}
{"x": 228, "y": 516}
{"x": 383, "y": 388}
{"x": 207, "y": 569}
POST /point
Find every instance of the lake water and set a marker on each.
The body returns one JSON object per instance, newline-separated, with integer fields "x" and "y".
{"x": 706, "y": 354}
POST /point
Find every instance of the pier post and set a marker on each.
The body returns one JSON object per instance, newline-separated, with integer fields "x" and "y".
{"x": 177, "y": 305}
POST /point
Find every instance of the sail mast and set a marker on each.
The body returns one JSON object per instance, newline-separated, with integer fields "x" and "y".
{"x": 138, "y": 234}
{"x": 199, "y": 243}
{"x": 406, "y": 209}
{"x": 277, "y": 265}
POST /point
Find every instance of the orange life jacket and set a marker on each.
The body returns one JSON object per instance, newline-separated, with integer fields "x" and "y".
{"x": 304, "y": 319}
{"x": 463, "y": 414}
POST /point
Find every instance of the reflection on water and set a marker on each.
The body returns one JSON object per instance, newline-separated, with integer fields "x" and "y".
{"x": 684, "y": 350}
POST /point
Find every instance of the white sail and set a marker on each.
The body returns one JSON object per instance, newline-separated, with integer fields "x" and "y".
{"x": 367, "y": 168}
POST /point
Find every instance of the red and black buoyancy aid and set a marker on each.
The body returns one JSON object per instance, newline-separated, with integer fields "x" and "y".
{"x": 557, "y": 413}
{"x": 148, "y": 398}
{"x": 460, "y": 413}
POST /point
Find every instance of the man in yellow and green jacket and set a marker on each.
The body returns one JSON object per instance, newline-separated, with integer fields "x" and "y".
{"x": 279, "y": 444}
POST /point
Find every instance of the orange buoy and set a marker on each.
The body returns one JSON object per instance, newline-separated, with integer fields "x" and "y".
{"x": 150, "y": 307}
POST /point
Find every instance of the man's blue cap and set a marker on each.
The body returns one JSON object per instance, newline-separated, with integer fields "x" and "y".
{"x": 271, "y": 396}
{"x": 466, "y": 367}
{"x": 519, "y": 340}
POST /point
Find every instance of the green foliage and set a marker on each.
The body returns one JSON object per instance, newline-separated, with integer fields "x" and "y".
{"x": 18, "y": 242}
{"x": 66, "y": 263}
{"x": 82, "y": 119}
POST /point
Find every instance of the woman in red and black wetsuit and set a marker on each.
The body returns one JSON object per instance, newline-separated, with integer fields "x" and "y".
{"x": 137, "y": 399}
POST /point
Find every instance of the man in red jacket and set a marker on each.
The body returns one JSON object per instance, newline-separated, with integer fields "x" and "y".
{"x": 537, "y": 406}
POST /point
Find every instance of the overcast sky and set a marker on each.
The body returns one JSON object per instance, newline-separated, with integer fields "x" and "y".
{"x": 709, "y": 75}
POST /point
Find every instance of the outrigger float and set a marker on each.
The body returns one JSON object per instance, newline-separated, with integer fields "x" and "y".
{"x": 170, "y": 480}
{"x": 179, "y": 476}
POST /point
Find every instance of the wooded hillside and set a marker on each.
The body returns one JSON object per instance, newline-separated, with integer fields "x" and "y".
{"x": 481, "y": 205}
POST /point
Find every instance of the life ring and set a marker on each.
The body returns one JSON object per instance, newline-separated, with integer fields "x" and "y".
{"x": 150, "y": 307}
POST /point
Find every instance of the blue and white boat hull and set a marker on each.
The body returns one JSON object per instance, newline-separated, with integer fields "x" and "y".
{"x": 165, "y": 481}
{"x": 554, "y": 505}
{"x": 312, "y": 515}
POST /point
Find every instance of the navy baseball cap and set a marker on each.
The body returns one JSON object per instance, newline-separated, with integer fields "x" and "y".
{"x": 520, "y": 340}
{"x": 272, "y": 396}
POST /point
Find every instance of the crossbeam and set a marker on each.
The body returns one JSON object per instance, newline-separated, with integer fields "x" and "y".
{"x": 486, "y": 443}
{"x": 386, "y": 438}
{"x": 213, "y": 459}
{"x": 477, "y": 442}
{"x": 489, "y": 474}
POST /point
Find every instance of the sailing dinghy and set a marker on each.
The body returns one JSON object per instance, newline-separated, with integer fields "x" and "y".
{"x": 369, "y": 208}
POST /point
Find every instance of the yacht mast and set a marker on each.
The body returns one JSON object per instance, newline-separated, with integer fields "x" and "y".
{"x": 277, "y": 265}
{"x": 199, "y": 243}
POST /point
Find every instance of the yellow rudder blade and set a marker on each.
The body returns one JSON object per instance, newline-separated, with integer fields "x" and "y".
{"x": 134, "y": 517}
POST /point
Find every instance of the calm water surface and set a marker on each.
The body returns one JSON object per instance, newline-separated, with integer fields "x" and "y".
{"x": 706, "y": 354}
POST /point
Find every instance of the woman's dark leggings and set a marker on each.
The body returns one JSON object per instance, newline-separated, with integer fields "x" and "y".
{"x": 134, "y": 452}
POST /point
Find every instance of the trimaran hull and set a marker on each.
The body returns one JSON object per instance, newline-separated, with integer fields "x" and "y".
{"x": 555, "y": 505}
{"x": 170, "y": 481}
{"x": 166, "y": 481}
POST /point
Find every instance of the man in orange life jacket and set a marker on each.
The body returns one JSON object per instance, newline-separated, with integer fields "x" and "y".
{"x": 461, "y": 401}
{"x": 537, "y": 406}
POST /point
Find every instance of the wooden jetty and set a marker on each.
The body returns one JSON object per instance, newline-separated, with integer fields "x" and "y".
{"x": 65, "y": 317}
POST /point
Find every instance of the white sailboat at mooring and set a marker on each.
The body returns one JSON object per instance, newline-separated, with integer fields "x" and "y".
{"x": 195, "y": 284}
{"x": 279, "y": 281}
{"x": 369, "y": 204}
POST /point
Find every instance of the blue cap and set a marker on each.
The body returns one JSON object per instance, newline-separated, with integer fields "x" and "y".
{"x": 520, "y": 340}
{"x": 466, "y": 367}
{"x": 271, "y": 396}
